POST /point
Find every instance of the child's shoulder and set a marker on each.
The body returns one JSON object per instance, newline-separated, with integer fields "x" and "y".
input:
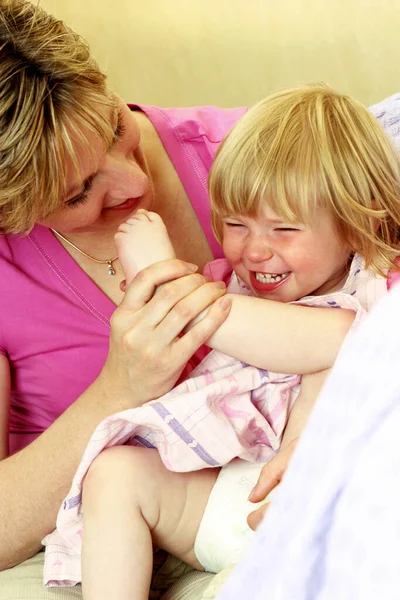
{"x": 394, "y": 276}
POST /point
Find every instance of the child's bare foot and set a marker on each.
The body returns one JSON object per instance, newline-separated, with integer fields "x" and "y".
{"x": 142, "y": 241}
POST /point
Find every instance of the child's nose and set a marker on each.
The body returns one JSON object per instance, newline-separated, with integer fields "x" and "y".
{"x": 258, "y": 250}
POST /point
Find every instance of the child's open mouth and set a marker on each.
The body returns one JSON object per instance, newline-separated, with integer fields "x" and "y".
{"x": 270, "y": 277}
{"x": 267, "y": 282}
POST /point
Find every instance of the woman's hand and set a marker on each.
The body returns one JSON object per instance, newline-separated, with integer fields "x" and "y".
{"x": 147, "y": 352}
{"x": 270, "y": 477}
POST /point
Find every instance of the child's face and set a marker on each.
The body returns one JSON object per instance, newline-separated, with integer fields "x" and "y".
{"x": 282, "y": 261}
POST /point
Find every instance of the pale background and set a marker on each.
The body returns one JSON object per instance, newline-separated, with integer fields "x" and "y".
{"x": 234, "y": 52}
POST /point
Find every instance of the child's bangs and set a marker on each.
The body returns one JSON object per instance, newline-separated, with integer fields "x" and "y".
{"x": 292, "y": 191}
{"x": 287, "y": 181}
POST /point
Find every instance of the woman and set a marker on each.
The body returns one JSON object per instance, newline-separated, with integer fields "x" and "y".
{"x": 74, "y": 162}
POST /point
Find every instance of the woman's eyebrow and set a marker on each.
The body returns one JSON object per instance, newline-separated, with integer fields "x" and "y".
{"x": 109, "y": 147}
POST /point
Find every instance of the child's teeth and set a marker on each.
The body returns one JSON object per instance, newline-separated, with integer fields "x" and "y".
{"x": 270, "y": 277}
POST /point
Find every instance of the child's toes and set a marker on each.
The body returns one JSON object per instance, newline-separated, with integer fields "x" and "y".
{"x": 154, "y": 217}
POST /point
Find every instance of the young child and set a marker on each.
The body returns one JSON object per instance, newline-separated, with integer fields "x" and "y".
{"x": 305, "y": 200}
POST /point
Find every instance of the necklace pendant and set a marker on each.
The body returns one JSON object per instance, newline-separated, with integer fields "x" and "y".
{"x": 111, "y": 270}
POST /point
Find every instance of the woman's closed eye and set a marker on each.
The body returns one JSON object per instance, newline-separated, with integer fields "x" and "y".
{"x": 120, "y": 129}
{"x": 82, "y": 196}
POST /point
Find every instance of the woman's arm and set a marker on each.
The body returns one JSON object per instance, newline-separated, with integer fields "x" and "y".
{"x": 4, "y": 405}
{"x": 34, "y": 481}
{"x": 287, "y": 338}
{"x": 145, "y": 358}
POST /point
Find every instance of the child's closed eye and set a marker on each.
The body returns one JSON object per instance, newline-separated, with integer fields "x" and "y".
{"x": 287, "y": 229}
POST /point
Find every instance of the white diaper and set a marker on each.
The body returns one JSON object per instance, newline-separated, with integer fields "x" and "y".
{"x": 223, "y": 534}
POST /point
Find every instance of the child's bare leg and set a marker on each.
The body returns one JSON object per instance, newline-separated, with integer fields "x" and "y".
{"x": 131, "y": 501}
{"x": 142, "y": 241}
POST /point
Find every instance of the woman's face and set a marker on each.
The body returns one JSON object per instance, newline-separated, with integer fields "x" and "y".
{"x": 114, "y": 183}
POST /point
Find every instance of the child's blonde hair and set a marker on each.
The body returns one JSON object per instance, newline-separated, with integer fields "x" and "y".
{"x": 308, "y": 148}
{"x": 50, "y": 89}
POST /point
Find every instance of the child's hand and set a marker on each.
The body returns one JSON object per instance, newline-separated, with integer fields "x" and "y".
{"x": 270, "y": 477}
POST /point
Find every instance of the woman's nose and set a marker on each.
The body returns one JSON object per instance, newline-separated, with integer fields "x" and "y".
{"x": 125, "y": 176}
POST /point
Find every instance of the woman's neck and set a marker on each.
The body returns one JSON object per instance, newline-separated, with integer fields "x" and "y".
{"x": 171, "y": 201}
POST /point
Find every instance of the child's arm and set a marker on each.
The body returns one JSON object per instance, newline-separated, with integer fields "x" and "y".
{"x": 287, "y": 338}
{"x": 274, "y": 470}
{"x": 280, "y": 337}
{"x": 311, "y": 386}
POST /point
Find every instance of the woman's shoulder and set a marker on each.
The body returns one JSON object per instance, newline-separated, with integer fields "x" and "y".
{"x": 21, "y": 256}
{"x": 192, "y": 123}
{"x": 5, "y": 246}
{"x": 14, "y": 249}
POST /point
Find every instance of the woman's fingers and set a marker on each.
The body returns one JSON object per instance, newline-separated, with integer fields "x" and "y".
{"x": 161, "y": 321}
{"x": 194, "y": 298}
{"x": 187, "y": 345}
{"x": 140, "y": 308}
{"x": 142, "y": 288}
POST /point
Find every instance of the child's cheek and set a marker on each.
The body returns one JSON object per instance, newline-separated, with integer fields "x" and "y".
{"x": 232, "y": 249}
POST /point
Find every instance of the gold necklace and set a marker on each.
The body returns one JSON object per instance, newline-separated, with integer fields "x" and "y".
{"x": 106, "y": 261}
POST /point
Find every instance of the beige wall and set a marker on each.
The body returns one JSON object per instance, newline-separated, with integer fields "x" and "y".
{"x": 233, "y": 52}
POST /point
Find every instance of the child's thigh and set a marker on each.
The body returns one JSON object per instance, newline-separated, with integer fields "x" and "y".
{"x": 171, "y": 503}
{"x": 183, "y": 500}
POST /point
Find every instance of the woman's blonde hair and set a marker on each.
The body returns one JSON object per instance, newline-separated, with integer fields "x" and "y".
{"x": 309, "y": 148}
{"x": 50, "y": 89}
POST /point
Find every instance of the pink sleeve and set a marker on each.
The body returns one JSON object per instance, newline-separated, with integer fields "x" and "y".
{"x": 394, "y": 278}
{"x": 218, "y": 270}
